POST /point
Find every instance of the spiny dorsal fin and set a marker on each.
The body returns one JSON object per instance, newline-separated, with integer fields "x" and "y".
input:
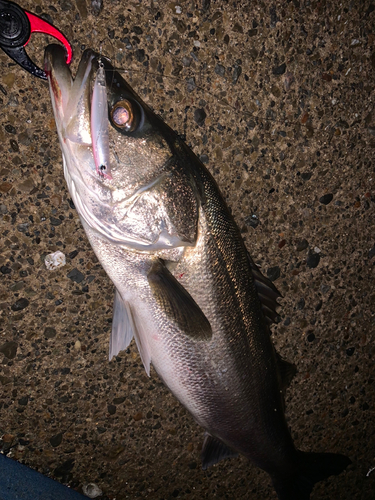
{"x": 177, "y": 303}
{"x": 267, "y": 292}
{"x": 214, "y": 450}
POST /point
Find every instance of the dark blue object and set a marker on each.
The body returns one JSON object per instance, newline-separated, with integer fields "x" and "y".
{"x": 18, "y": 482}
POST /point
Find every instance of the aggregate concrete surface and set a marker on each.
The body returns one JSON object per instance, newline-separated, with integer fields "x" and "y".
{"x": 277, "y": 99}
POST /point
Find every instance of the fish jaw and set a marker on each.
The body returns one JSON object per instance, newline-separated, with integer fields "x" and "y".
{"x": 60, "y": 79}
{"x": 71, "y": 106}
{"x": 70, "y": 97}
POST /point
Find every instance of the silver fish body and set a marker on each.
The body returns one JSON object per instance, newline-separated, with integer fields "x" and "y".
{"x": 186, "y": 287}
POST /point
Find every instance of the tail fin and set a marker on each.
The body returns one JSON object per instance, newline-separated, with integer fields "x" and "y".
{"x": 314, "y": 467}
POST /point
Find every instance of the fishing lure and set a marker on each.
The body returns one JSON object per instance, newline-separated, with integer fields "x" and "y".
{"x": 100, "y": 124}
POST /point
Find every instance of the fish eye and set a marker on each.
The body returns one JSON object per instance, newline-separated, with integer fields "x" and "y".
{"x": 122, "y": 115}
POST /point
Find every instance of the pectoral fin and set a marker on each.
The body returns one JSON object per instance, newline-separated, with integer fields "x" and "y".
{"x": 177, "y": 303}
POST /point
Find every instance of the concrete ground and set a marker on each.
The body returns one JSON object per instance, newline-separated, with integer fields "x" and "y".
{"x": 277, "y": 98}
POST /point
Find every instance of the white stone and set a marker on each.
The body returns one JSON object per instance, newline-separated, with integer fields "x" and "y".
{"x": 91, "y": 490}
{"x": 54, "y": 260}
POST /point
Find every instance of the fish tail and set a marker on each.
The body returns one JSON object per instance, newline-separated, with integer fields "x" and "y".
{"x": 313, "y": 467}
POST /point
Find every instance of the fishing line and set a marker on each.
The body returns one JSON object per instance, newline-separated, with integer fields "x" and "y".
{"x": 302, "y": 119}
{"x": 244, "y": 113}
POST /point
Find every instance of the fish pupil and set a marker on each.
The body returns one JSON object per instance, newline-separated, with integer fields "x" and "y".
{"x": 121, "y": 116}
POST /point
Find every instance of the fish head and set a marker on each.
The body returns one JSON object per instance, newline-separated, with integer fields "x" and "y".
{"x": 116, "y": 154}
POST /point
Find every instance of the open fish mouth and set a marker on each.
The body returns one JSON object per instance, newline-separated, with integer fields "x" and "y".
{"x": 72, "y": 103}
{"x": 80, "y": 104}
{"x": 67, "y": 93}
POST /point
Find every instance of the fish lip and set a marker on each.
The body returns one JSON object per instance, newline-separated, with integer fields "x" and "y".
{"x": 62, "y": 83}
{"x": 58, "y": 74}
{"x": 55, "y": 57}
{"x": 52, "y": 53}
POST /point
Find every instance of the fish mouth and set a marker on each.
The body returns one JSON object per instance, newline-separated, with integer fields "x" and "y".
{"x": 72, "y": 106}
{"x": 71, "y": 97}
{"x": 80, "y": 106}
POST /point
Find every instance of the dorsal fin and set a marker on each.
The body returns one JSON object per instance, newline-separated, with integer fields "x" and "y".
{"x": 287, "y": 371}
{"x": 268, "y": 295}
{"x": 267, "y": 292}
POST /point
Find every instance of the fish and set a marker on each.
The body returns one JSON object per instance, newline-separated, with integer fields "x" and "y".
{"x": 186, "y": 288}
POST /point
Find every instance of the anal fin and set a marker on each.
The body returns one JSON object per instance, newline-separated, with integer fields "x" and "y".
{"x": 214, "y": 450}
